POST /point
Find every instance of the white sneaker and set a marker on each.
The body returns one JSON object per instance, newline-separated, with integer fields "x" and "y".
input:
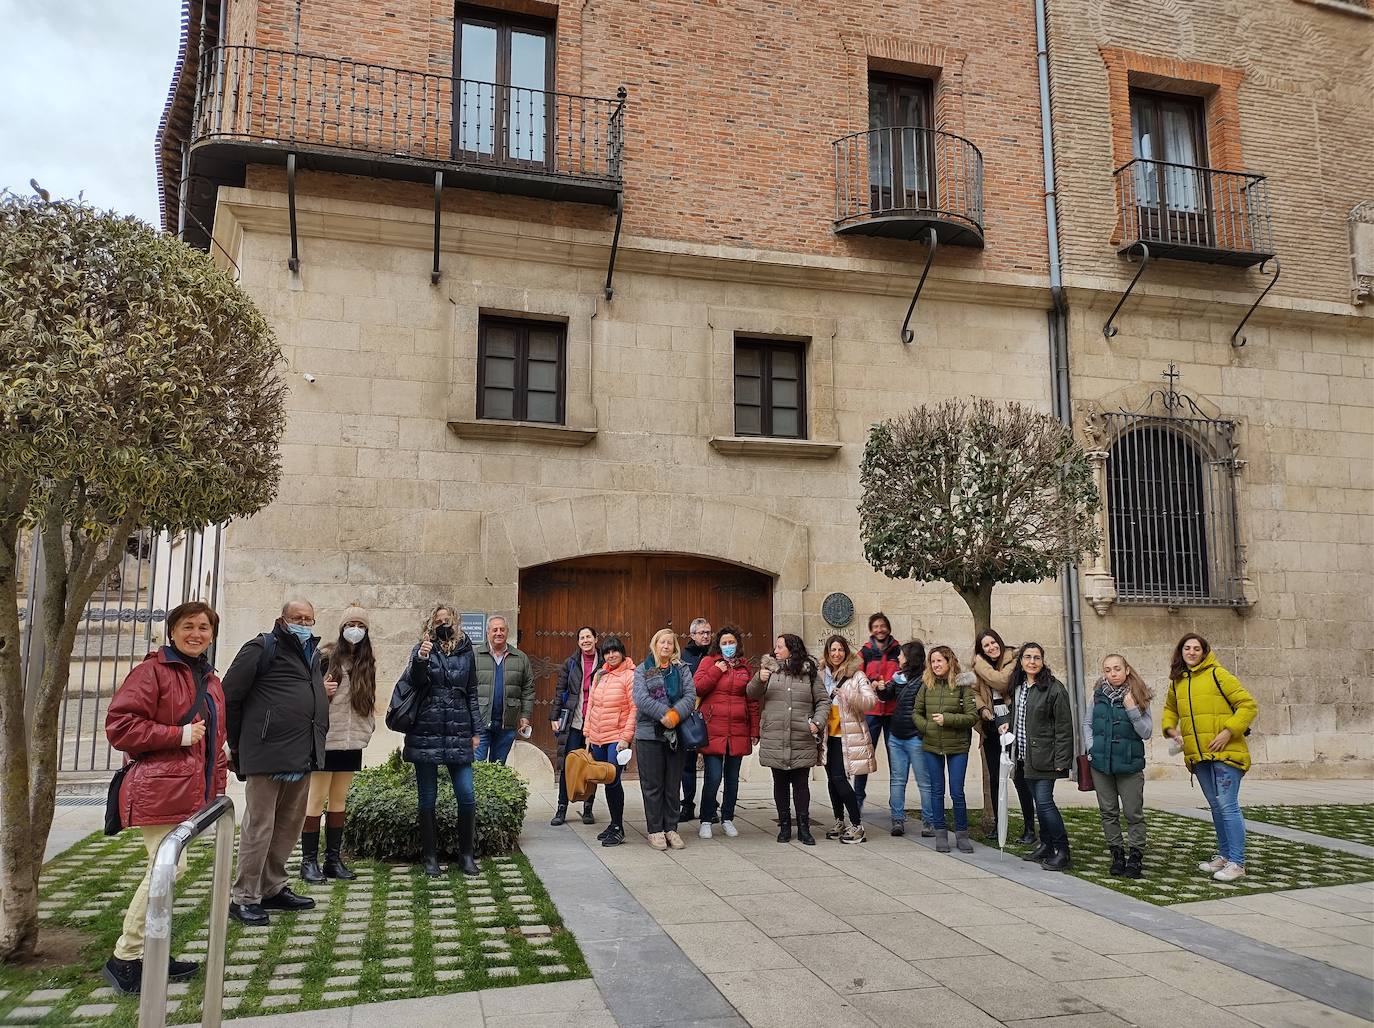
{"x": 1229, "y": 873}
{"x": 704, "y": 832}
{"x": 729, "y": 828}
{"x": 1211, "y": 867}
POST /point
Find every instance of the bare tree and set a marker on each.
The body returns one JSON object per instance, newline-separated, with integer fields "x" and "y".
{"x": 975, "y": 494}
{"x": 138, "y": 387}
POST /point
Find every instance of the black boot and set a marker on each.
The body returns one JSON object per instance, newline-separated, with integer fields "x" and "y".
{"x": 1118, "y": 867}
{"x": 1027, "y": 838}
{"x": 124, "y": 976}
{"x": 1133, "y": 862}
{"x": 1039, "y": 853}
{"x": 1058, "y": 860}
{"x": 310, "y": 858}
{"x": 333, "y": 862}
{"x": 429, "y": 844}
{"x": 467, "y": 837}
{"x": 784, "y": 829}
{"x": 588, "y": 818}
{"x": 560, "y": 816}
{"x": 804, "y": 835}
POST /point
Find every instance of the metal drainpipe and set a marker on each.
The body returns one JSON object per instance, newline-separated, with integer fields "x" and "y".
{"x": 1058, "y": 318}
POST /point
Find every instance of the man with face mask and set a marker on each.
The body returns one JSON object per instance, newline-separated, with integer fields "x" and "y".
{"x": 277, "y": 714}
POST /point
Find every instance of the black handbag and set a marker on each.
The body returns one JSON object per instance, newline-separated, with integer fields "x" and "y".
{"x": 692, "y": 733}
{"x": 114, "y": 824}
{"x": 403, "y": 711}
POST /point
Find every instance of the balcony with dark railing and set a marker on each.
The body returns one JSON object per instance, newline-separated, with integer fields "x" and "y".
{"x": 1195, "y": 214}
{"x": 904, "y": 181}
{"x": 256, "y": 105}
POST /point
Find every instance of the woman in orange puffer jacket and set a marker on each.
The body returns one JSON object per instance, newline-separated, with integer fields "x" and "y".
{"x": 609, "y": 726}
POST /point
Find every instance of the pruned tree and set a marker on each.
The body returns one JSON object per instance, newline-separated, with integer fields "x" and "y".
{"x": 138, "y": 388}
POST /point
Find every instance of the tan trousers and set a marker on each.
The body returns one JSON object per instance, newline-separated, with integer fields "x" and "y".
{"x": 273, "y": 814}
{"x": 130, "y": 944}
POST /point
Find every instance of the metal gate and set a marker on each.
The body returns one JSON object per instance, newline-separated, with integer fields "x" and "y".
{"x": 124, "y": 619}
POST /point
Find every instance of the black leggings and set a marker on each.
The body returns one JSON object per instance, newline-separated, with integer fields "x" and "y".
{"x": 842, "y": 797}
{"x": 992, "y": 758}
{"x": 798, "y": 782}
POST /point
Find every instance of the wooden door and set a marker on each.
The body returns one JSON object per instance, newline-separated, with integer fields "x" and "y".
{"x": 632, "y": 596}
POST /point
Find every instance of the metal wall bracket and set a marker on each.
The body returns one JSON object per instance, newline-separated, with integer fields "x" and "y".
{"x": 1278, "y": 268}
{"x": 615, "y": 242}
{"x": 1109, "y": 329}
{"x": 294, "y": 261}
{"x": 933, "y": 243}
{"x": 438, "y": 190}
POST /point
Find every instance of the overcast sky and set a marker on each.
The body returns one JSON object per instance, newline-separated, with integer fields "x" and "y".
{"x": 82, "y": 86}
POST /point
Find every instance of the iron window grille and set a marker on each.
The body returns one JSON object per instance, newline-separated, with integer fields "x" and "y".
{"x": 770, "y": 388}
{"x": 521, "y": 370}
{"x": 1172, "y": 520}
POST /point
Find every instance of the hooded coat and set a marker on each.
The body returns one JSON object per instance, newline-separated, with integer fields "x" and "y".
{"x": 1205, "y": 700}
{"x": 958, "y": 703}
{"x": 788, "y": 706}
{"x": 881, "y": 662}
{"x": 854, "y": 697}
{"x": 450, "y": 714}
{"x": 732, "y": 719}
{"x": 610, "y": 713}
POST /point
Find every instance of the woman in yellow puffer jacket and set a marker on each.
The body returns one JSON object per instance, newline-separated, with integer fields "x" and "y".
{"x": 1208, "y": 712}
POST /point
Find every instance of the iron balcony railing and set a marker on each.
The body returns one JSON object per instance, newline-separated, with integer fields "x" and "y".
{"x": 1194, "y": 213}
{"x": 285, "y": 99}
{"x": 906, "y": 174}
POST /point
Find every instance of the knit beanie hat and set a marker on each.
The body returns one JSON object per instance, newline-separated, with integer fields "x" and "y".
{"x": 354, "y": 613}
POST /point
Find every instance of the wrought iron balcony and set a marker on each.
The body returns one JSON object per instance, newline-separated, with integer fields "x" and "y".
{"x": 904, "y": 181}
{"x": 256, "y": 105}
{"x": 1195, "y": 214}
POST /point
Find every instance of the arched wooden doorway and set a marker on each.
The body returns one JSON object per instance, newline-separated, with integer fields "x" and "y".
{"x": 632, "y": 595}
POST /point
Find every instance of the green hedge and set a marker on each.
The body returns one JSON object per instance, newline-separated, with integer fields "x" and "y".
{"x": 383, "y": 817}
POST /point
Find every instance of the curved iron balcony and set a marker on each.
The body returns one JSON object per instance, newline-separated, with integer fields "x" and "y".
{"x": 1195, "y": 214}
{"x": 254, "y": 105}
{"x": 904, "y": 180}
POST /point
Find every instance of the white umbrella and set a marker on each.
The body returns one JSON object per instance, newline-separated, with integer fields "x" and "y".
{"x": 1004, "y": 766}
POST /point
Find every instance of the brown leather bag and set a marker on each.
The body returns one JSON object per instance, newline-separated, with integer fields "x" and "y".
{"x": 1085, "y": 773}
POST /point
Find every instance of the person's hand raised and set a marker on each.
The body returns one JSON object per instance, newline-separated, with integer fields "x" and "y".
{"x": 426, "y": 645}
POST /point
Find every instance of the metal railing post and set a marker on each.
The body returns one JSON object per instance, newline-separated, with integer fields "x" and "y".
{"x": 157, "y": 940}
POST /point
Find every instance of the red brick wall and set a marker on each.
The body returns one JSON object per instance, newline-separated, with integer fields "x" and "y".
{"x": 733, "y": 107}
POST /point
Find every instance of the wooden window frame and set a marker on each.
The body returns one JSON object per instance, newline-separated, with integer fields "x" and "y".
{"x": 520, "y": 401}
{"x": 1165, "y": 221}
{"x": 925, "y": 198}
{"x": 504, "y": 22}
{"x": 766, "y": 348}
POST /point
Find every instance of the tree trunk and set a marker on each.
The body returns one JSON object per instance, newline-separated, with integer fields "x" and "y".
{"x": 979, "y": 602}
{"x": 18, "y": 893}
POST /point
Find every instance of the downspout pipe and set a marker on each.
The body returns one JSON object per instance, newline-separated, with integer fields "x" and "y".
{"x": 1058, "y": 318}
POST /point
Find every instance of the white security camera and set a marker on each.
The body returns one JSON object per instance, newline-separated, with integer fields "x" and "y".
{"x": 309, "y": 377}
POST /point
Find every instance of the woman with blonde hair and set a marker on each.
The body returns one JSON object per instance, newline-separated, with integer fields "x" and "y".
{"x": 945, "y": 712}
{"x": 1116, "y": 723}
{"x": 350, "y": 682}
{"x": 664, "y": 696}
{"x": 848, "y": 744}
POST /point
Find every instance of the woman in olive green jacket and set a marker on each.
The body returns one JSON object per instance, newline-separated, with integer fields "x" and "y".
{"x": 944, "y": 714}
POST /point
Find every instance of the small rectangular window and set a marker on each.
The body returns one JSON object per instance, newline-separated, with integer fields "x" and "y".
{"x": 770, "y": 388}
{"x": 520, "y": 370}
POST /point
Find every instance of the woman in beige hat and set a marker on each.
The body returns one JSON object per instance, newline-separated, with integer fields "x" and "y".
{"x": 350, "y": 682}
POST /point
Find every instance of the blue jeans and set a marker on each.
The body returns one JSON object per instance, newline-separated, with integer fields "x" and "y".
{"x": 958, "y": 766}
{"x": 615, "y": 792}
{"x": 877, "y": 725}
{"x": 1052, "y": 830}
{"x": 494, "y": 744}
{"x": 905, "y": 756}
{"x": 716, "y": 769}
{"x": 689, "y": 781}
{"x": 1221, "y": 785}
{"x": 427, "y": 785}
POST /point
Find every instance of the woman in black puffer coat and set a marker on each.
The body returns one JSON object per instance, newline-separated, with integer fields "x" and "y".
{"x": 442, "y": 666}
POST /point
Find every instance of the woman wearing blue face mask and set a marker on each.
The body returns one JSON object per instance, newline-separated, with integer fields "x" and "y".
{"x": 732, "y": 721}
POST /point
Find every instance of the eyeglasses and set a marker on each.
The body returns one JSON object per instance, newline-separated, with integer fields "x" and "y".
{"x": 303, "y": 621}
{"x": 702, "y": 631}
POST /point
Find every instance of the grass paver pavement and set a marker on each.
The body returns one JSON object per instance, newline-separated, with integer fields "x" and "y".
{"x": 1353, "y": 822}
{"x": 393, "y": 933}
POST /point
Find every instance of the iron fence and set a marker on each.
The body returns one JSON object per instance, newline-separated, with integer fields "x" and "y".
{"x": 1182, "y": 206}
{"x": 1171, "y": 510}
{"x": 278, "y": 97}
{"x": 907, "y": 169}
{"x": 124, "y": 620}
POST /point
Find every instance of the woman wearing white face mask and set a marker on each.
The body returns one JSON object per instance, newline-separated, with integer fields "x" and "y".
{"x": 350, "y": 682}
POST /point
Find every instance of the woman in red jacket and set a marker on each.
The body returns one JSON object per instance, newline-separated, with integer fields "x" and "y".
{"x": 732, "y": 723}
{"x": 168, "y": 718}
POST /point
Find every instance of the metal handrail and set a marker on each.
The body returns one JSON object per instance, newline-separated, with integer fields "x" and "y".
{"x": 157, "y": 939}
{"x": 945, "y": 169}
{"x": 1252, "y": 175}
{"x": 1190, "y": 208}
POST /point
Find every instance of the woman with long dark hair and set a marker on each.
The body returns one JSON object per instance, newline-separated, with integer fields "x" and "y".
{"x": 1209, "y": 712}
{"x": 1043, "y": 725}
{"x": 350, "y": 682}
{"x": 945, "y": 711}
{"x": 732, "y": 720}
{"x": 993, "y": 663}
{"x": 574, "y": 685}
{"x": 905, "y": 758}
{"x": 848, "y": 744}
{"x": 792, "y": 715}
{"x": 1116, "y": 723}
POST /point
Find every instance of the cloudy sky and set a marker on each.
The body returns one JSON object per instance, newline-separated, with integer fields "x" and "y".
{"x": 82, "y": 86}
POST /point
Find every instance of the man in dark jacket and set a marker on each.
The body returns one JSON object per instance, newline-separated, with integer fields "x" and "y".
{"x": 505, "y": 692}
{"x": 277, "y": 714}
{"x": 692, "y": 654}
